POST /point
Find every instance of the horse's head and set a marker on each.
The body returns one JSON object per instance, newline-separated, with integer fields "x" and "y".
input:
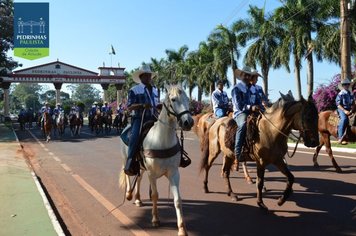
{"x": 177, "y": 104}
{"x": 309, "y": 123}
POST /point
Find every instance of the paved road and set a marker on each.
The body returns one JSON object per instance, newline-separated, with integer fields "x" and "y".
{"x": 81, "y": 175}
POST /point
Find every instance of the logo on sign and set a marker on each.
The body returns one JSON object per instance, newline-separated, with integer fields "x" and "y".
{"x": 31, "y": 30}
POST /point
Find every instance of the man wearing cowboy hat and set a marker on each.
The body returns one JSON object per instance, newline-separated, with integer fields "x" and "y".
{"x": 45, "y": 108}
{"x": 243, "y": 106}
{"x": 57, "y": 110}
{"x": 142, "y": 102}
{"x": 257, "y": 91}
{"x": 344, "y": 101}
{"x": 106, "y": 109}
{"x": 220, "y": 100}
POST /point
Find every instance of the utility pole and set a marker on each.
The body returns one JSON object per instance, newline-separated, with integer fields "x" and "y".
{"x": 345, "y": 40}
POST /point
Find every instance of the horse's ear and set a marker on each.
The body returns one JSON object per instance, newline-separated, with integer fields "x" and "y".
{"x": 166, "y": 86}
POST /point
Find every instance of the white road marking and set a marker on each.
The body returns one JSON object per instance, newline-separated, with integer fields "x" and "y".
{"x": 323, "y": 154}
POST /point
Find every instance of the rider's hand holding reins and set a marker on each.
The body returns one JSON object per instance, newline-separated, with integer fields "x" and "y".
{"x": 255, "y": 108}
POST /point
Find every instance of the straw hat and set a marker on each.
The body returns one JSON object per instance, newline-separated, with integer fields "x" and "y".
{"x": 245, "y": 69}
{"x": 343, "y": 82}
{"x": 145, "y": 69}
{"x": 255, "y": 72}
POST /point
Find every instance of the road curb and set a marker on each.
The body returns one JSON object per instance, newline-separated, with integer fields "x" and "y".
{"x": 56, "y": 225}
{"x": 336, "y": 149}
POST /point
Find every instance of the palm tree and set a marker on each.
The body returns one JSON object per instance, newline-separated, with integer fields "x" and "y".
{"x": 261, "y": 34}
{"x": 176, "y": 63}
{"x": 159, "y": 67}
{"x": 227, "y": 40}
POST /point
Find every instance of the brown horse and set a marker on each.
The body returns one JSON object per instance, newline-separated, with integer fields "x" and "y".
{"x": 75, "y": 124}
{"x": 47, "y": 125}
{"x": 271, "y": 143}
{"x": 328, "y": 122}
{"x": 203, "y": 123}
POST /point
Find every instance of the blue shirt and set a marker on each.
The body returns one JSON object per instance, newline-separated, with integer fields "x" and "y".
{"x": 57, "y": 110}
{"x": 219, "y": 99}
{"x": 241, "y": 98}
{"x": 139, "y": 94}
{"x": 46, "y": 109}
{"x": 345, "y": 99}
{"x": 257, "y": 96}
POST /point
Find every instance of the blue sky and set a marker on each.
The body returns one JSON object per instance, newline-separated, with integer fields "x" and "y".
{"x": 81, "y": 33}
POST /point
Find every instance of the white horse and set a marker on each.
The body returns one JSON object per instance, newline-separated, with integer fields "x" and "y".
{"x": 162, "y": 136}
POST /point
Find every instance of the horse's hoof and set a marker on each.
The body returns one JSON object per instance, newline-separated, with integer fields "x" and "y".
{"x": 206, "y": 190}
{"x": 264, "y": 189}
{"x": 262, "y": 206}
{"x": 128, "y": 196}
{"x": 249, "y": 180}
{"x": 338, "y": 170}
{"x": 316, "y": 164}
{"x": 138, "y": 203}
{"x": 156, "y": 223}
{"x": 182, "y": 232}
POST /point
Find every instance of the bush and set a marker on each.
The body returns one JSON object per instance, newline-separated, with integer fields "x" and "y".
{"x": 325, "y": 95}
{"x": 196, "y": 107}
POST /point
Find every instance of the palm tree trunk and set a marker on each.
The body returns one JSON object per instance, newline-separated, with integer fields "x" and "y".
{"x": 200, "y": 94}
{"x": 297, "y": 76}
{"x": 265, "y": 81}
{"x": 310, "y": 68}
{"x": 211, "y": 88}
{"x": 190, "y": 92}
{"x": 233, "y": 67}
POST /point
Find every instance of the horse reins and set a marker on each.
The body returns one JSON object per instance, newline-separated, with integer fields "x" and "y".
{"x": 285, "y": 135}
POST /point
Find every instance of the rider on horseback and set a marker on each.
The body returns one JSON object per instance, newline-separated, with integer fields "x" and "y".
{"x": 220, "y": 100}
{"x": 142, "y": 101}
{"x": 344, "y": 101}
{"x": 257, "y": 91}
{"x": 243, "y": 105}
{"x": 58, "y": 110}
{"x": 44, "y": 109}
{"x": 92, "y": 112}
{"x": 74, "y": 110}
{"x": 106, "y": 109}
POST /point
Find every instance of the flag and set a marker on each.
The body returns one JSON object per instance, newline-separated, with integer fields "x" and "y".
{"x": 112, "y": 50}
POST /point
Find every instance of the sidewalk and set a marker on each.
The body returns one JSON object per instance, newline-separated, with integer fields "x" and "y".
{"x": 24, "y": 208}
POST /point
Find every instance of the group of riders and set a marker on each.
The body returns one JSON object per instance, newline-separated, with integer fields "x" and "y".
{"x": 75, "y": 112}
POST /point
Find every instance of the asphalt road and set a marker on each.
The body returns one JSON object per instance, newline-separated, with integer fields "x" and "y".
{"x": 81, "y": 177}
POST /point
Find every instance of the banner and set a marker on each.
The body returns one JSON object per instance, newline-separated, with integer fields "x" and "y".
{"x": 31, "y": 30}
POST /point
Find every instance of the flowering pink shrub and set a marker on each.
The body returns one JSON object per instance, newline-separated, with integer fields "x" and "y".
{"x": 325, "y": 94}
{"x": 196, "y": 107}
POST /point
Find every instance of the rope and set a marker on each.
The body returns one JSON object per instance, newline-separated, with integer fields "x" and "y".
{"x": 287, "y": 136}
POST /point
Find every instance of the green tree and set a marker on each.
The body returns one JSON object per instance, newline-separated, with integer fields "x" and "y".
{"x": 86, "y": 94}
{"x": 176, "y": 64}
{"x": 261, "y": 34}
{"x": 7, "y": 33}
{"x": 27, "y": 94}
{"x": 227, "y": 41}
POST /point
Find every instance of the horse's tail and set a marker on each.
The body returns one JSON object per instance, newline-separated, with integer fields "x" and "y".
{"x": 122, "y": 179}
{"x": 205, "y": 150}
{"x": 230, "y": 134}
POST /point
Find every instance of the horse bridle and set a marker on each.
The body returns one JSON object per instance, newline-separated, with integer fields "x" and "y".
{"x": 174, "y": 113}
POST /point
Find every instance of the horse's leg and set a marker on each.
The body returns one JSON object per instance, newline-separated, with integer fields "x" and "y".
{"x": 330, "y": 153}
{"x": 317, "y": 150}
{"x": 174, "y": 182}
{"x": 138, "y": 201}
{"x": 155, "y": 218}
{"x": 260, "y": 184}
{"x": 282, "y": 166}
{"x": 226, "y": 175}
{"x": 246, "y": 174}
{"x": 211, "y": 157}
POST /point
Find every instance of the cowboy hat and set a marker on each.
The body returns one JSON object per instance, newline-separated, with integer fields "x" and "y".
{"x": 95, "y": 103}
{"x": 245, "y": 69}
{"x": 344, "y": 82}
{"x": 59, "y": 104}
{"x": 255, "y": 72}
{"x": 142, "y": 70}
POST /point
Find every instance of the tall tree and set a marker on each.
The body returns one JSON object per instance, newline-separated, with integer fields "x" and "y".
{"x": 27, "y": 94}
{"x": 86, "y": 94}
{"x": 7, "y": 34}
{"x": 261, "y": 34}
{"x": 227, "y": 40}
{"x": 176, "y": 63}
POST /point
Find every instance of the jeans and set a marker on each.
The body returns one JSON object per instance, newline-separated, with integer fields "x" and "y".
{"x": 134, "y": 138}
{"x": 240, "y": 133}
{"x": 219, "y": 112}
{"x": 343, "y": 123}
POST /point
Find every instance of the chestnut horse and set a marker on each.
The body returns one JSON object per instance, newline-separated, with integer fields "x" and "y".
{"x": 203, "y": 123}
{"x": 271, "y": 144}
{"x": 328, "y": 127}
{"x": 47, "y": 126}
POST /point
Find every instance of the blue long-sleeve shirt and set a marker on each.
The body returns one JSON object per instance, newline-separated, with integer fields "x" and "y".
{"x": 219, "y": 99}
{"x": 241, "y": 99}
{"x": 345, "y": 99}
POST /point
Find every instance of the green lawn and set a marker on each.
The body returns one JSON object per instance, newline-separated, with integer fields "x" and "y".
{"x": 333, "y": 144}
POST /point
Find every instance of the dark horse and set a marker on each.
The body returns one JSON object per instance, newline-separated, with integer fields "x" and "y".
{"x": 107, "y": 121}
{"x": 270, "y": 144}
{"x": 328, "y": 122}
{"x": 120, "y": 121}
{"x": 97, "y": 123}
{"x": 75, "y": 123}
